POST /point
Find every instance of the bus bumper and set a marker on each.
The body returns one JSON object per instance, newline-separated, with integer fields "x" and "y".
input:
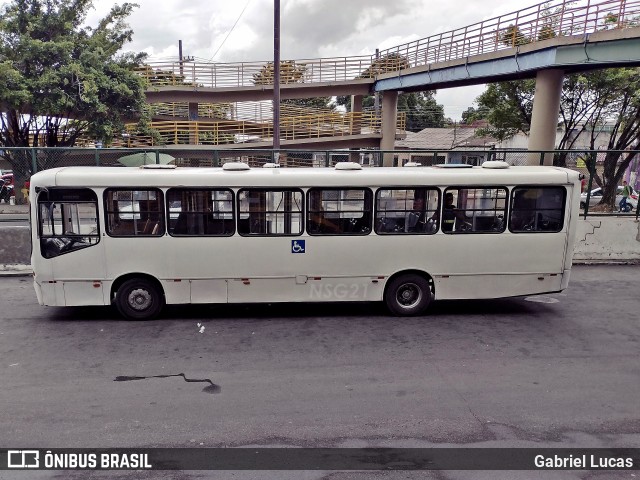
{"x": 38, "y": 290}
{"x": 565, "y": 279}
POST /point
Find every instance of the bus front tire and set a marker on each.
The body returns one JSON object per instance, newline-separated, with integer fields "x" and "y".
{"x": 139, "y": 299}
{"x": 408, "y": 295}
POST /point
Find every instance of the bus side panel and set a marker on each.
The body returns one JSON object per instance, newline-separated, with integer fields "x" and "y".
{"x": 75, "y": 274}
{"x": 346, "y": 289}
{"x": 50, "y": 294}
{"x": 176, "y": 291}
{"x": 456, "y": 287}
{"x": 207, "y": 291}
{"x": 78, "y": 293}
{"x": 572, "y": 215}
{"x": 305, "y": 289}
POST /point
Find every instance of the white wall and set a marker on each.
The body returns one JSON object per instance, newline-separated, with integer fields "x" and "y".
{"x": 607, "y": 239}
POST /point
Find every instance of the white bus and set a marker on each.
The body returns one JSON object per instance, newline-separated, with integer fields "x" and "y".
{"x": 141, "y": 238}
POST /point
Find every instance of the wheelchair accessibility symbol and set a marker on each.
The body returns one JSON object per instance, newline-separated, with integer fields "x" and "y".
{"x": 297, "y": 246}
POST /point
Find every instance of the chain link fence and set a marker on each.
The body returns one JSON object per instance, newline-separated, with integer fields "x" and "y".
{"x": 23, "y": 162}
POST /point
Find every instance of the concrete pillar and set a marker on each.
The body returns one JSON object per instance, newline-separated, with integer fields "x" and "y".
{"x": 356, "y": 118}
{"x": 389, "y": 120}
{"x": 356, "y": 124}
{"x": 193, "y": 118}
{"x": 544, "y": 118}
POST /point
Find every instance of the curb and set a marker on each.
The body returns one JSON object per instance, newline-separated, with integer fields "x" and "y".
{"x": 15, "y": 270}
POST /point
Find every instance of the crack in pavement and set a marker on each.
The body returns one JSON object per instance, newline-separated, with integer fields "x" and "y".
{"x": 211, "y": 388}
{"x": 483, "y": 425}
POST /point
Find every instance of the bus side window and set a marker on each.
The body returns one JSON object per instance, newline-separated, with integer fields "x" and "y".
{"x": 200, "y": 211}
{"x": 337, "y": 211}
{"x": 270, "y": 211}
{"x": 537, "y": 209}
{"x": 406, "y": 210}
{"x": 474, "y": 210}
{"x": 67, "y": 220}
{"x": 134, "y": 212}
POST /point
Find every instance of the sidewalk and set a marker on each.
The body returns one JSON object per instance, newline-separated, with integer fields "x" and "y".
{"x": 12, "y": 270}
{"x": 6, "y": 208}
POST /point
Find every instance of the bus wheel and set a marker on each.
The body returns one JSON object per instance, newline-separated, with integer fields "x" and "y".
{"x": 139, "y": 299}
{"x": 408, "y": 295}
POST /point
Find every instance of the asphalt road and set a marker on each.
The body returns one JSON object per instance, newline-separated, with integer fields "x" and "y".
{"x": 554, "y": 370}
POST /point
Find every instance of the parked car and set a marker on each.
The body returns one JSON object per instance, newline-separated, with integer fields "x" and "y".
{"x": 596, "y": 195}
{"x": 7, "y": 177}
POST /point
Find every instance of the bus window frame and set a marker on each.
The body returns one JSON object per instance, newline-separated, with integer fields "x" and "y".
{"x": 436, "y": 211}
{"x": 563, "y": 210}
{"x": 476, "y": 187}
{"x": 73, "y": 236}
{"x": 161, "y": 211}
{"x": 369, "y": 226}
{"x": 270, "y": 189}
{"x": 201, "y": 189}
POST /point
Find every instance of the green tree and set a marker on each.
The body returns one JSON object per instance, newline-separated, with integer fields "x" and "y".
{"x": 390, "y": 62}
{"x": 60, "y": 80}
{"x": 312, "y": 104}
{"x": 513, "y": 37}
{"x": 422, "y": 110}
{"x": 589, "y": 101}
{"x": 507, "y": 107}
{"x": 473, "y": 114}
{"x": 291, "y": 72}
{"x": 622, "y": 104}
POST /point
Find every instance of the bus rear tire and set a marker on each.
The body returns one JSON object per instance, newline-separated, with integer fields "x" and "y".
{"x": 139, "y": 299}
{"x": 408, "y": 295}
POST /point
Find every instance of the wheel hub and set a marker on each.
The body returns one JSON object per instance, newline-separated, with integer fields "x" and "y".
{"x": 139, "y": 299}
{"x": 409, "y": 295}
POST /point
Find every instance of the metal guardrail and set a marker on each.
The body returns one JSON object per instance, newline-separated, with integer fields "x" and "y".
{"x": 26, "y": 161}
{"x": 221, "y": 132}
{"x": 226, "y": 126}
{"x": 529, "y": 25}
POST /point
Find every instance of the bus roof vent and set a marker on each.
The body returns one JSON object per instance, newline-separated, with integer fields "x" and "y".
{"x": 271, "y": 165}
{"x": 495, "y": 164}
{"x": 158, "y": 166}
{"x": 348, "y": 166}
{"x": 453, "y": 165}
{"x": 235, "y": 166}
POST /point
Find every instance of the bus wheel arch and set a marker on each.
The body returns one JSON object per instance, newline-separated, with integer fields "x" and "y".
{"x": 409, "y": 292}
{"x": 138, "y": 296}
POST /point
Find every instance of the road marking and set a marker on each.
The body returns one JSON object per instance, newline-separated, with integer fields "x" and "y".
{"x": 542, "y": 299}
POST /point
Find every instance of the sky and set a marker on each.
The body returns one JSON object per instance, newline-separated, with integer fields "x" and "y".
{"x": 309, "y": 29}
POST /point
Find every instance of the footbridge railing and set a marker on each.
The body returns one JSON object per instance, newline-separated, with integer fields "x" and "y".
{"x": 533, "y": 24}
{"x": 529, "y": 25}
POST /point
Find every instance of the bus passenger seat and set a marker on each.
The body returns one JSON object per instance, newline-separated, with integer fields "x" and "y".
{"x": 180, "y": 227}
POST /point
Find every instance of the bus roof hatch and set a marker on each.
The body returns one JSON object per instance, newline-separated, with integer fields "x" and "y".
{"x": 348, "y": 166}
{"x": 495, "y": 164}
{"x": 235, "y": 166}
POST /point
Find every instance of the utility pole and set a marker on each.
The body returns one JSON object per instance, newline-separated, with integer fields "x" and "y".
{"x": 180, "y": 56}
{"x": 376, "y": 95}
{"x": 276, "y": 79}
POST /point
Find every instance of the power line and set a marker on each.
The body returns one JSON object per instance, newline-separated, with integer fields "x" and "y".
{"x": 229, "y": 33}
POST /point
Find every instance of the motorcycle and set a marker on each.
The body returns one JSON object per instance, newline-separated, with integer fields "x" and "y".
{"x": 6, "y": 191}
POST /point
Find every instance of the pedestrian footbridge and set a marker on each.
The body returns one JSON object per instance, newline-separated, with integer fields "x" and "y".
{"x": 544, "y": 41}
